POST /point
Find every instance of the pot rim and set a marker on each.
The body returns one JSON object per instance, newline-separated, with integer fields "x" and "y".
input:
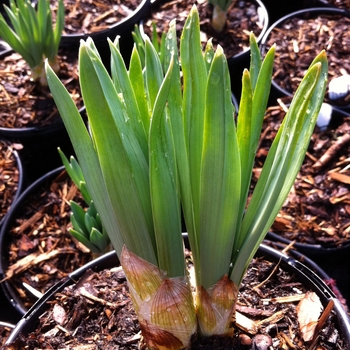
{"x": 6, "y": 286}
{"x": 22, "y": 134}
{"x": 310, "y": 249}
{"x": 21, "y": 182}
{"x": 110, "y": 259}
{"x": 115, "y": 29}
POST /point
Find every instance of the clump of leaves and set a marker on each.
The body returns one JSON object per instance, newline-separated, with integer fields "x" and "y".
{"x": 87, "y": 227}
{"x": 163, "y": 138}
{"x": 33, "y": 35}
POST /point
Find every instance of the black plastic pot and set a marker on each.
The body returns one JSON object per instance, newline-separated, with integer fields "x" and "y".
{"x": 302, "y": 273}
{"x": 313, "y": 250}
{"x": 276, "y": 90}
{"x": 122, "y": 28}
{"x": 277, "y": 11}
{"x": 21, "y": 183}
{"x": 17, "y": 305}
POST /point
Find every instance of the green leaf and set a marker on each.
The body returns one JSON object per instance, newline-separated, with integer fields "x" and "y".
{"x": 99, "y": 240}
{"x": 85, "y": 241}
{"x": 250, "y": 118}
{"x": 138, "y": 85}
{"x": 255, "y": 60}
{"x": 127, "y": 183}
{"x": 154, "y": 72}
{"x": 194, "y": 84}
{"x": 220, "y": 179}
{"x": 164, "y": 187}
{"x": 125, "y": 90}
{"x": 86, "y": 155}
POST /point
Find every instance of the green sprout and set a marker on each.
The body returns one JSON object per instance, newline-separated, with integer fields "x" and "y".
{"x": 162, "y": 139}
{"x": 220, "y": 8}
{"x": 87, "y": 227}
{"x": 32, "y": 34}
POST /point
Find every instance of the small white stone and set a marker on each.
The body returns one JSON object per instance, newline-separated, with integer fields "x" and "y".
{"x": 324, "y": 116}
{"x": 339, "y": 87}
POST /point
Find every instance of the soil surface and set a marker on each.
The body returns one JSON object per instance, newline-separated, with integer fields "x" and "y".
{"x": 40, "y": 250}
{"x": 4, "y": 333}
{"x": 299, "y": 40}
{"x": 86, "y": 16}
{"x": 342, "y": 4}
{"x": 24, "y": 103}
{"x": 97, "y": 313}
{"x": 243, "y": 18}
{"x": 317, "y": 211}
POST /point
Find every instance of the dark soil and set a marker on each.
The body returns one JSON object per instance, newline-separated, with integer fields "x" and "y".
{"x": 97, "y": 313}
{"x": 40, "y": 250}
{"x": 298, "y": 42}
{"x": 24, "y": 103}
{"x": 9, "y": 176}
{"x": 342, "y": 4}
{"x": 4, "y": 333}
{"x": 86, "y": 16}
{"x": 242, "y": 19}
{"x": 317, "y": 211}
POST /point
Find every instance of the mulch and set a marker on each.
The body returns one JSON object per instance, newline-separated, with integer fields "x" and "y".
{"x": 299, "y": 40}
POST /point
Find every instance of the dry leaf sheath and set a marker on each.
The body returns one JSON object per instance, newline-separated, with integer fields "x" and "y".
{"x": 163, "y": 138}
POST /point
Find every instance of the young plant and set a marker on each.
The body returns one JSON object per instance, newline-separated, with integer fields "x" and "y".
{"x": 32, "y": 34}
{"x": 164, "y": 139}
{"x": 87, "y": 227}
{"x": 220, "y": 8}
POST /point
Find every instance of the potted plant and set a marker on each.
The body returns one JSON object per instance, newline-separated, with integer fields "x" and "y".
{"x": 172, "y": 152}
{"x": 299, "y": 35}
{"x": 28, "y": 114}
{"x": 156, "y": 167}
